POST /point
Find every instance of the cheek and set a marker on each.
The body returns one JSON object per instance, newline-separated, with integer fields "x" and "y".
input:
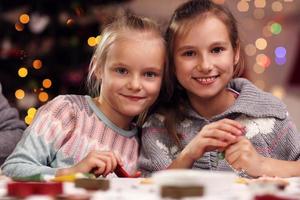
{"x": 153, "y": 89}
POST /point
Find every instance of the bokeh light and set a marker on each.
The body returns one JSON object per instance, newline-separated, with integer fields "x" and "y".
{"x": 19, "y": 27}
{"x": 278, "y": 92}
{"x": 259, "y": 13}
{"x": 28, "y": 120}
{"x": 91, "y": 41}
{"x": 280, "y": 61}
{"x": 43, "y": 96}
{"x": 277, "y": 6}
{"x": 267, "y": 31}
{"x": 243, "y": 6}
{"x": 260, "y": 3}
{"x": 263, "y": 60}
{"x": 37, "y": 64}
{"x": 250, "y": 49}
{"x": 98, "y": 39}
{"x": 280, "y": 52}
{"x": 276, "y": 28}
{"x": 261, "y": 43}
{"x": 31, "y": 112}
{"x": 19, "y": 94}
{"x": 47, "y": 83}
{"x": 24, "y": 18}
{"x": 22, "y": 72}
{"x": 258, "y": 68}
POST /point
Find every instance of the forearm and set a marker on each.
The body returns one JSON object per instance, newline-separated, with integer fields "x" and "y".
{"x": 280, "y": 168}
{"x": 183, "y": 161}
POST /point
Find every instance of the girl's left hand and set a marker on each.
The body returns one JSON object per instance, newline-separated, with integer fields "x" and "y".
{"x": 243, "y": 156}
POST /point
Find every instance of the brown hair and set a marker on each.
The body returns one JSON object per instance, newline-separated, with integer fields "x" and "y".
{"x": 113, "y": 32}
{"x": 184, "y": 17}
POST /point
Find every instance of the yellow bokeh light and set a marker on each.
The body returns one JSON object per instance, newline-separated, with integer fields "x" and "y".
{"x": 43, "y": 96}
{"x": 259, "y": 13}
{"x": 250, "y": 49}
{"x": 24, "y": 18}
{"x": 258, "y": 68}
{"x": 19, "y": 94}
{"x": 47, "y": 83}
{"x": 91, "y": 41}
{"x": 98, "y": 39}
{"x": 28, "y": 120}
{"x": 19, "y": 27}
{"x": 31, "y": 112}
{"x": 277, "y": 6}
{"x": 260, "y": 3}
{"x": 22, "y": 72}
{"x": 261, "y": 43}
{"x": 37, "y": 64}
{"x": 278, "y": 92}
{"x": 243, "y": 6}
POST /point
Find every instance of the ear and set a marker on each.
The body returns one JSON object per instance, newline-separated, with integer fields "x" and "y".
{"x": 237, "y": 54}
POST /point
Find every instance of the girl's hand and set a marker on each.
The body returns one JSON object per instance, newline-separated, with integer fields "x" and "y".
{"x": 243, "y": 156}
{"x": 217, "y": 135}
{"x": 96, "y": 162}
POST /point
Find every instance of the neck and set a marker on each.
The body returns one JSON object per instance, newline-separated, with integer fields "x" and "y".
{"x": 120, "y": 120}
{"x": 210, "y": 107}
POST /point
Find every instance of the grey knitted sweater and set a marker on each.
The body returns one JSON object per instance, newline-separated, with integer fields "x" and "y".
{"x": 11, "y": 128}
{"x": 268, "y": 127}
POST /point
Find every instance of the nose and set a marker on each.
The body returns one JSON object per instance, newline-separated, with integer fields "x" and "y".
{"x": 204, "y": 65}
{"x": 134, "y": 83}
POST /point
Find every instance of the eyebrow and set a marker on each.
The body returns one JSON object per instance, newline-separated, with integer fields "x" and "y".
{"x": 217, "y": 43}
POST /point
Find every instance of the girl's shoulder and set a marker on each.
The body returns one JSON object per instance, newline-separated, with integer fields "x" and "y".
{"x": 155, "y": 119}
{"x": 255, "y": 102}
{"x": 65, "y": 104}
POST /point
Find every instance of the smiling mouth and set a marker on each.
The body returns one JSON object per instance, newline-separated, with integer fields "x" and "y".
{"x": 206, "y": 80}
{"x": 133, "y": 98}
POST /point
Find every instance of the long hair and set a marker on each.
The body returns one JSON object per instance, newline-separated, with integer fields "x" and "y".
{"x": 182, "y": 20}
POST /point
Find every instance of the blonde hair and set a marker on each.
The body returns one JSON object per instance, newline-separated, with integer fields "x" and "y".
{"x": 110, "y": 34}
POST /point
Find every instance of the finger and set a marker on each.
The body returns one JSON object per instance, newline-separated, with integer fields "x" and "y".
{"x": 119, "y": 159}
{"x": 216, "y": 143}
{"x": 99, "y": 168}
{"x": 229, "y": 128}
{"x": 234, "y": 123}
{"x": 108, "y": 163}
{"x": 113, "y": 159}
{"x": 220, "y": 135}
{"x": 232, "y": 156}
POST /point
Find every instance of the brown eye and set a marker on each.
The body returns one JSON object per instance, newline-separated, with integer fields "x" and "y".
{"x": 151, "y": 74}
{"x": 189, "y": 53}
{"x": 121, "y": 70}
{"x": 217, "y": 50}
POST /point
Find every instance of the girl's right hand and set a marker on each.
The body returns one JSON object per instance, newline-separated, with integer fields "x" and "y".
{"x": 216, "y": 135}
{"x": 96, "y": 162}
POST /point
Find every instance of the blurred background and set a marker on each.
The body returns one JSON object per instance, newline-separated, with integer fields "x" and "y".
{"x": 46, "y": 45}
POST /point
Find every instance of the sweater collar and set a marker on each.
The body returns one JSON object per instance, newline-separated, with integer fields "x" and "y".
{"x": 252, "y": 102}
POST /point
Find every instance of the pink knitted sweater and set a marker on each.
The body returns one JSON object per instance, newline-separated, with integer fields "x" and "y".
{"x": 63, "y": 132}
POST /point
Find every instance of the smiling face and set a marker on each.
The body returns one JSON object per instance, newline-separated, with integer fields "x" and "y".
{"x": 132, "y": 75}
{"x": 204, "y": 59}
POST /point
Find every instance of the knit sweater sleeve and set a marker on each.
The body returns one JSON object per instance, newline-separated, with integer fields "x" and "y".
{"x": 11, "y": 128}
{"x": 287, "y": 144}
{"x": 51, "y": 127}
{"x": 155, "y": 152}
